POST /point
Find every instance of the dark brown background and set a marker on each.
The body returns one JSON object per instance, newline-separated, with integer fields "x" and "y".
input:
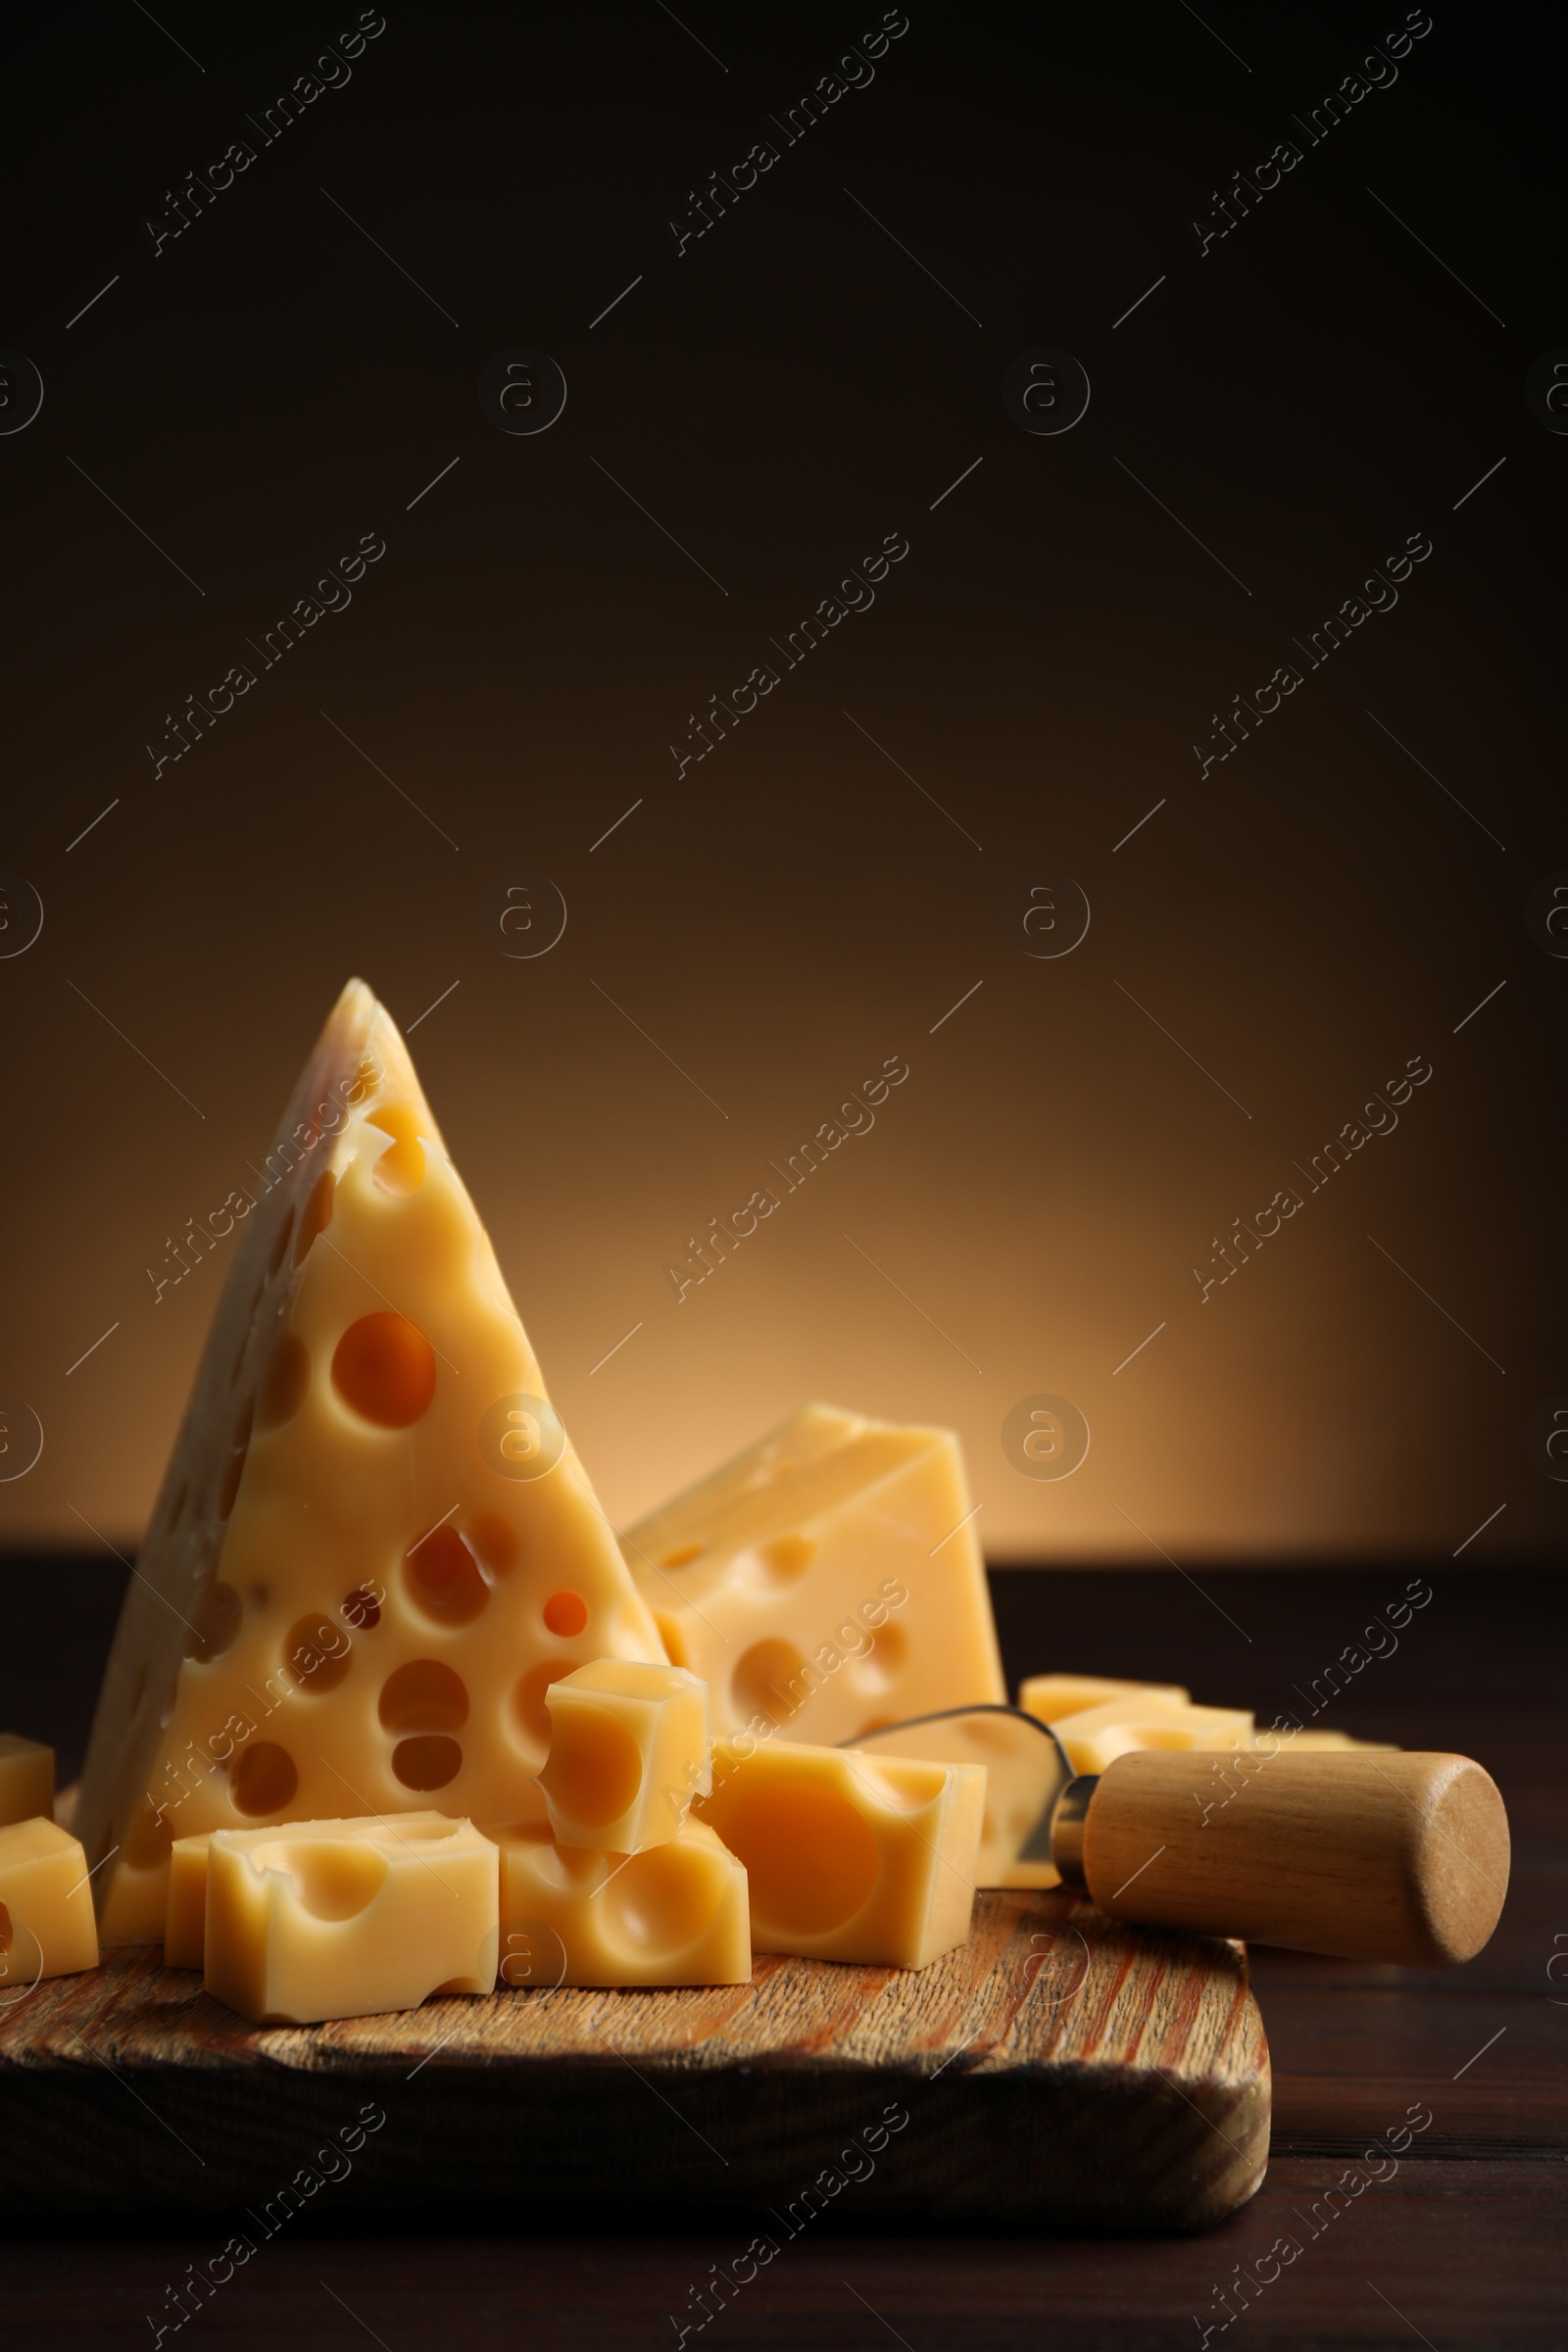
{"x": 792, "y": 911}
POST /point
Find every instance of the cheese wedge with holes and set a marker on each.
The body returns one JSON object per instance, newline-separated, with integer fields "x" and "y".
{"x": 313, "y": 1920}
{"x": 826, "y": 1582}
{"x": 673, "y": 1914}
{"x": 374, "y": 1547}
{"x": 850, "y": 1856}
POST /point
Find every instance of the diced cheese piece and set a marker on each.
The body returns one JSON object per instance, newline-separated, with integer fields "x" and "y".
{"x": 47, "y": 1926}
{"x": 1051, "y": 1696}
{"x": 629, "y": 1751}
{"x": 375, "y": 1546}
{"x": 1023, "y": 1778}
{"x": 675, "y": 1914}
{"x": 850, "y": 1856}
{"x": 311, "y": 1920}
{"x": 27, "y": 1779}
{"x": 1097, "y": 1735}
{"x": 185, "y": 1917}
{"x": 828, "y": 1581}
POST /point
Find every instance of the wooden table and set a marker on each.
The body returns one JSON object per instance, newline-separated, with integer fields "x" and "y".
{"x": 1463, "y": 2246}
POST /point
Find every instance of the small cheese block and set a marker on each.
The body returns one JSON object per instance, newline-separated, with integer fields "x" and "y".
{"x": 1096, "y": 1735}
{"x": 629, "y": 1751}
{"x": 1051, "y": 1696}
{"x": 675, "y": 1914}
{"x": 850, "y": 1856}
{"x": 828, "y": 1581}
{"x": 47, "y": 1926}
{"x": 27, "y": 1779}
{"x": 375, "y": 1546}
{"x": 311, "y": 1920}
{"x": 185, "y": 1921}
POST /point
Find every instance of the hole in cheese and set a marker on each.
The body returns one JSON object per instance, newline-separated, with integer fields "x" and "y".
{"x": 423, "y": 1696}
{"x": 662, "y": 1899}
{"x": 284, "y": 1382}
{"x": 385, "y": 1368}
{"x": 760, "y": 1679}
{"x": 443, "y": 1578}
{"x": 811, "y": 1859}
{"x": 566, "y": 1614}
{"x": 332, "y": 1879}
{"x": 265, "y": 1779}
{"x": 361, "y": 1608}
{"x": 429, "y": 1761}
{"x": 595, "y": 1768}
{"x": 683, "y": 1555}
{"x": 317, "y": 1655}
{"x": 783, "y": 1560}
{"x": 318, "y": 1214}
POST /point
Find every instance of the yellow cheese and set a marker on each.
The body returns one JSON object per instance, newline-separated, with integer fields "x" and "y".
{"x": 828, "y": 1581}
{"x": 629, "y": 1751}
{"x": 311, "y": 1920}
{"x": 374, "y": 1547}
{"x": 1097, "y": 1735}
{"x": 185, "y": 1916}
{"x": 675, "y": 1914}
{"x": 1051, "y": 1696}
{"x": 850, "y": 1856}
{"x": 27, "y": 1779}
{"x": 46, "y": 1917}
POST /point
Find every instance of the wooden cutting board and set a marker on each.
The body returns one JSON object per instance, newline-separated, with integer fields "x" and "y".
{"x": 1056, "y": 2072}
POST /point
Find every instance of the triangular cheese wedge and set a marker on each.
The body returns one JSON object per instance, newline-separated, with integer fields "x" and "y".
{"x": 374, "y": 1547}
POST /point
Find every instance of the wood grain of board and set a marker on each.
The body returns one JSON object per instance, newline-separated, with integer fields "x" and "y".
{"x": 1056, "y": 2072}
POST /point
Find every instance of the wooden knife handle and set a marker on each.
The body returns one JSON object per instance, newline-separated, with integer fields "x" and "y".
{"x": 1384, "y": 1856}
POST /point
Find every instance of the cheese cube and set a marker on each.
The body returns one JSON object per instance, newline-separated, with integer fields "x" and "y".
{"x": 27, "y": 1779}
{"x": 376, "y": 1546}
{"x": 1051, "y": 1696}
{"x": 46, "y": 1917}
{"x": 828, "y": 1581}
{"x": 185, "y": 1920}
{"x": 629, "y": 1751}
{"x": 1096, "y": 1735}
{"x": 850, "y": 1856}
{"x": 319, "y": 1919}
{"x": 675, "y": 1914}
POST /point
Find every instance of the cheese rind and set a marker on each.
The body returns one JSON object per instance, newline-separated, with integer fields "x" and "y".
{"x": 47, "y": 1926}
{"x": 375, "y": 1546}
{"x": 313, "y": 1920}
{"x": 673, "y": 1914}
{"x": 825, "y": 1583}
{"x": 629, "y": 1751}
{"x": 850, "y": 1856}
{"x": 27, "y": 1779}
{"x": 1051, "y": 1696}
